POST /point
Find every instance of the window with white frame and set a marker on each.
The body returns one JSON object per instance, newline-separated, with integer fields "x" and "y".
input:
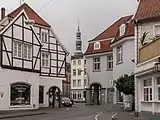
{"x": 85, "y": 82}
{"x": 97, "y": 45}
{"x": 74, "y": 95}
{"x": 79, "y": 62}
{"x": 74, "y": 72}
{"x": 79, "y": 83}
{"x": 122, "y": 29}
{"x": 96, "y": 64}
{"x": 110, "y": 62}
{"x": 17, "y": 49}
{"x": 119, "y": 54}
{"x": 157, "y": 30}
{"x": 27, "y": 51}
{"x": 147, "y": 90}
{"x": 158, "y": 88}
{"x": 44, "y": 37}
{"x": 79, "y": 94}
{"x": 74, "y": 62}
{"x": 74, "y": 83}
{"x": 45, "y": 59}
{"x": 79, "y": 71}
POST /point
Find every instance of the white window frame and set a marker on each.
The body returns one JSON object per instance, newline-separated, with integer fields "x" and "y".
{"x": 97, "y": 45}
{"x": 122, "y": 29}
{"x": 96, "y": 63}
{"x": 16, "y": 49}
{"x": 79, "y": 83}
{"x": 45, "y": 60}
{"x": 119, "y": 54}
{"x": 28, "y": 51}
{"x": 158, "y": 87}
{"x": 74, "y": 71}
{"x": 79, "y": 72}
{"x": 74, "y": 83}
{"x": 79, "y": 62}
{"x": 154, "y": 30}
{"x": 150, "y": 90}
{"x": 74, "y": 62}
{"x": 44, "y": 37}
{"x": 109, "y": 61}
{"x": 79, "y": 94}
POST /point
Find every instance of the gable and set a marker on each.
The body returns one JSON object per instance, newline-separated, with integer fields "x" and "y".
{"x": 30, "y": 13}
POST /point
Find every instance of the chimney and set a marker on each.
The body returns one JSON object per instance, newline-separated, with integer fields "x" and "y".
{"x": 2, "y": 13}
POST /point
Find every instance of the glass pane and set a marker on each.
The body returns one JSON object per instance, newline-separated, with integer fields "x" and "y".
{"x": 29, "y": 52}
{"x": 19, "y": 50}
{"x": 25, "y": 51}
{"x": 158, "y": 80}
{"x": 15, "y": 49}
{"x": 20, "y": 94}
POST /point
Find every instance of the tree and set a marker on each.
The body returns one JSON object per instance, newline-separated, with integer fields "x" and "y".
{"x": 125, "y": 84}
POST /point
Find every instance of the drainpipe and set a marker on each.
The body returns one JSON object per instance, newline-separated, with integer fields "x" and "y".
{"x": 137, "y": 59}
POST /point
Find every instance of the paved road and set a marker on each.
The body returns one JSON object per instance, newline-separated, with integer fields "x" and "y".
{"x": 77, "y": 112}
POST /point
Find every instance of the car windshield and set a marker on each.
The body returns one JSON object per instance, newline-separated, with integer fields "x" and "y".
{"x": 65, "y": 99}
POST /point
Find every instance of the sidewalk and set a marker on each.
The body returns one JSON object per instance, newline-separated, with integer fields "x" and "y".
{"x": 142, "y": 116}
{"x": 21, "y": 113}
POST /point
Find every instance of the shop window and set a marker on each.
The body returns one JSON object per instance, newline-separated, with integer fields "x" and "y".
{"x": 20, "y": 94}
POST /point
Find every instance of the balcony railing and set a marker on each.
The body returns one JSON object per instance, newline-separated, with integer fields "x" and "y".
{"x": 149, "y": 51}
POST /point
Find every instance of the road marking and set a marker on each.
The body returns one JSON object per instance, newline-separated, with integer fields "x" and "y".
{"x": 96, "y": 117}
{"x": 113, "y": 116}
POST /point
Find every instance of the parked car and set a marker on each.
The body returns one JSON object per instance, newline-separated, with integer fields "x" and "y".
{"x": 66, "y": 102}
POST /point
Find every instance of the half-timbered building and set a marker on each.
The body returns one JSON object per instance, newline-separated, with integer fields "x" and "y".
{"x": 32, "y": 61}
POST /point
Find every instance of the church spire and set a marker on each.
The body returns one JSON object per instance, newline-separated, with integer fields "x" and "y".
{"x": 78, "y": 41}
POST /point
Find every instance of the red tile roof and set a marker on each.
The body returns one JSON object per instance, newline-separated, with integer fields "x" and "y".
{"x": 129, "y": 32}
{"x": 105, "y": 47}
{"x": 30, "y": 13}
{"x": 148, "y": 9}
{"x": 111, "y": 31}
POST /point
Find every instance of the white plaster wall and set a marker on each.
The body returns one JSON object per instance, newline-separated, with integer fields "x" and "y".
{"x": 77, "y": 77}
{"x": 8, "y": 77}
{"x": 127, "y": 66}
{"x": 49, "y": 82}
{"x": 103, "y": 77}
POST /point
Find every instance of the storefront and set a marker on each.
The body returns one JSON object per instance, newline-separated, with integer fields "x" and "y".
{"x": 20, "y": 94}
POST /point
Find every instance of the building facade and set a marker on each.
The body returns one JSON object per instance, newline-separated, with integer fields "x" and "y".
{"x": 78, "y": 74}
{"x": 147, "y": 76}
{"x": 66, "y": 84}
{"x": 123, "y": 54}
{"x": 33, "y": 60}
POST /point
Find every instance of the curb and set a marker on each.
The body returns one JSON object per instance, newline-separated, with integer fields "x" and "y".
{"x": 14, "y": 116}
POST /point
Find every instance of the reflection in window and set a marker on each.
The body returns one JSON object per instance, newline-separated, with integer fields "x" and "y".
{"x": 20, "y": 94}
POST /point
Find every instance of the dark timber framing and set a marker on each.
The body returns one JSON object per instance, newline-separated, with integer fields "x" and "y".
{"x": 22, "y": 40}
{"x": 56, "y": 55}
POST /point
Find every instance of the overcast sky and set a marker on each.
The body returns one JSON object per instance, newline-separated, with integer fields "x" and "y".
{"x": 63, "y": 15}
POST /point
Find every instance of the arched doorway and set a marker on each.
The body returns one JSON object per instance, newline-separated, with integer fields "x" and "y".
{"x": 96, "y": 94}
{"x": 54, "y": 97}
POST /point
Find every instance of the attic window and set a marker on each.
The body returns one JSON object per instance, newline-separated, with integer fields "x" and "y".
{"x": 157, "y": 30}
{"x": 122, "y": 29}
{"x": 97, "y": 45}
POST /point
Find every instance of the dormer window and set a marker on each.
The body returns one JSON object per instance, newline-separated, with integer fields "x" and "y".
{"x": 97, "y": 45}
{"x": 122, "y": 29}
{"x": 157, "y": 30}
